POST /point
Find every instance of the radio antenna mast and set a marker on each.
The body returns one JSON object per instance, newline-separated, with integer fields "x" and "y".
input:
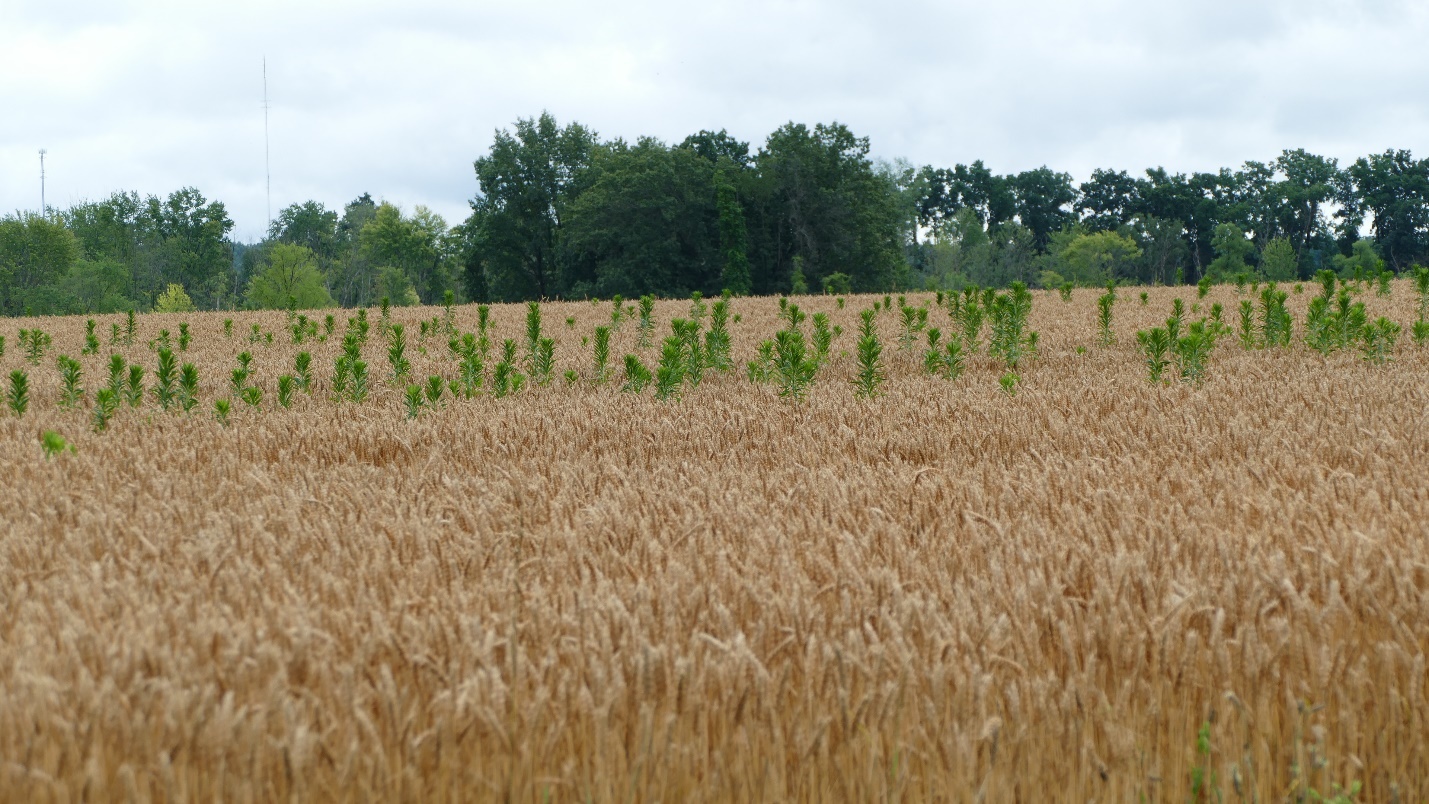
{"x": 43, "y": 205}
{"x": 267, "y": 170}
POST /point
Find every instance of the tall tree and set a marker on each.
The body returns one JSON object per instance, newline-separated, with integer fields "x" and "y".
{"x": 1391, "y": 190}
{"x": 525, "y": 184}
{"x": 1308, "y": 185}
{"x": 35, "y": 252}
{"x": 972, "y": 187}
{"x": 416, "y": 245}
{"x": 646, "y": 223}
{"x": 311, "y": 225}
{"x": 1109, "y": 200}
{"x": 188, "y": 243}
{"x": 289, "y": 279}
{"x": 352, "y": 277}
{"x": 1044, "y": 202}
{"x": 823, "y": 202}
{"x": 733, "y": 234}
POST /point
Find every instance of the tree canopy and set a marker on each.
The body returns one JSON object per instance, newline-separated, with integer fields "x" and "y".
{"x": 560, "y": 213}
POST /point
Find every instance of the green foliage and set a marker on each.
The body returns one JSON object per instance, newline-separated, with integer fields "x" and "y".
{"x": 301, "y": 329}
{"x": 1011, "y": 342}
{"x": 17, "y": 398}
{"x": 91, "y": 342}
{"x": 505, "y": 378}
{"x": 1420, "y": 332}
{"x": 602, "y": 355}
{"x": 397, "y": 353}
{"x": 733, "y": 243}
{"x": 823, "y": 338}
{"x": 533, "y": 334}
{"x": 188, "y": 387}
{"x": 1247, "y": 324}
{"x": 647, "y": 321}
{"x": 54, "y": 444}
{"x": 969, "y": 313}
{"x": 303, "y": 368}
{"x": 174, "y": 299}
{"x": 240, "y": 375}
{"x": 483, "y": 320}
{"x": 1378, "y": 340}
{"x": 1097, "y": 258}
{"x": 285, "y": 390}
{"x": 357, "y": 387}
{"x": 617, "y": 311}
{"x": 1177, "y": 320}
{"x": 1362, "y": 264}
{"x": 761, "y": 368}
{"x": 166, "y": 380}
{"x": 1341, "y": 326}
{"x": 794, "y": 368}
{"x": 1232, "y": 248}
{"x": 1278, "y": 261}
{"x": 1192, "y": 350}
{"x": 413, "y": 400}
{"x": 1155, "y": 346}
{"x": 1104, "y": 314}
{"x": 134, "y": 389}
{"x": 1275, "y": 323}
{"x": 471, "y": 364}
{"x": 228, "y": 328}
{"x": 117, "y": 371}
{"x": 106, "y": 403}
{"x": 670, "y": 373}
{"x": 1065, "y": 291}
{"x": 289, "y": 278}
{"x": 185, "y": 338}
{"x": 943, "y": 360}
{"x": 718, "y": 344}
{"x": 837, "y": 283}
{"x": 252, "y": 396}
{"x": 434, "y": 389}
{"x": 1382, "y": 283}
{"x": 221, "y": 408}
{"x": 1145, "y": 299}
{"x": 1202, "y": 777}
{"x": 34, "y": 342}
{"x": 912, "y": 321}
{"x": 698, "y": 308}
{"x": 131, "y": 328}
{"x": 71, "y": 375}
{"x": 637, "y": 376}
{"x": 543, "y": 362}
{"x": 798, "y": 284}
{"x": 791, "y": 313}
{"x": 1203, "y": 287}
{"x": 869, "y": 379}
{"x": 1008, "y": 381}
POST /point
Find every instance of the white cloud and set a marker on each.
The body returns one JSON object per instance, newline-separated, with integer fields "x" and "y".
{"x": 397, "y": 100}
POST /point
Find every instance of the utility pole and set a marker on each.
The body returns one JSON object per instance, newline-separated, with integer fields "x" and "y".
{"x": 43, "y": 206}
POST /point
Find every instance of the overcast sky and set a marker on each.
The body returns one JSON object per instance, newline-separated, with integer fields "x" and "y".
{"x": 398, "y": 99}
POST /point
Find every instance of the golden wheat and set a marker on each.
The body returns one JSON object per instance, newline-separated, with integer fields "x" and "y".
{"x": 946, "y": 593}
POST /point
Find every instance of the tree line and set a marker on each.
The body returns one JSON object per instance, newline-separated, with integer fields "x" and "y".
{"x": 562, "y": 213}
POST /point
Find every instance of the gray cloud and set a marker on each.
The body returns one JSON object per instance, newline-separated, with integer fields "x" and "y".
{"x": 397, "y": 100}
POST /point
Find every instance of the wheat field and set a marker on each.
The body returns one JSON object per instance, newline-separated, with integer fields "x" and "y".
{"x": 1096, "y": 589}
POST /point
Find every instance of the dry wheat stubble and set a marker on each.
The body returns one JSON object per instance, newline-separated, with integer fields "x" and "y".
{"x": 942, "y": 593}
